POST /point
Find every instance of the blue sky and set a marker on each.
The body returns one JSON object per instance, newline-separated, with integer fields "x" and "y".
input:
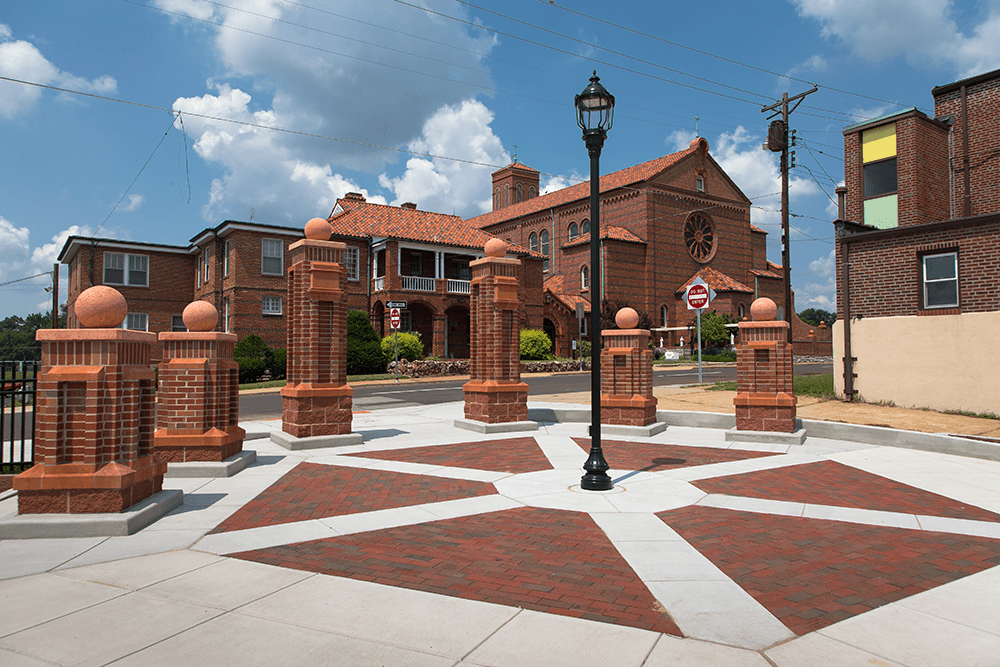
{"x": 420, "y": 100}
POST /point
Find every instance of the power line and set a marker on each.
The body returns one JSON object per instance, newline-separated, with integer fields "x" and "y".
{"x": 21, "y": 280}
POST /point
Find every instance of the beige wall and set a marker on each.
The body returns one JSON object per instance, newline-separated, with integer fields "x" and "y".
{"x": 942, "y": 362}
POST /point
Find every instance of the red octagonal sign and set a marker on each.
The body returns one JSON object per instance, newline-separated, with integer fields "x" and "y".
{"x": 697, "y": 296}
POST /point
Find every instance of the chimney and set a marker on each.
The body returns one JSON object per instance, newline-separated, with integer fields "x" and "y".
{"x": 355, "y": 195}
{"x": 841, "y": 202}
{"x": 409, "y": 204}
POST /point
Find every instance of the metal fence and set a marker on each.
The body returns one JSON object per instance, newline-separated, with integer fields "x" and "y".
{"x": 17, "y": 414}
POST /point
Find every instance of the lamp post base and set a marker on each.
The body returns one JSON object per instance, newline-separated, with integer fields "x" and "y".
{"x": 596, "y": 481}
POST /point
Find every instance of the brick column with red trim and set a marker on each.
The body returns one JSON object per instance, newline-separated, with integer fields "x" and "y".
{"x": 198, "y": 405}
{"x": 94, "y": 415}
{"x": 316, "y": 399}
{"x": 627, "y": 373}
{"x": 495, "y": 394}
{"x": 766, "y": 396}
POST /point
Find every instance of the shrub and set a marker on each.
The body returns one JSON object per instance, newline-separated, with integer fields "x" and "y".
{"x": 535, "y": 345}
{"x": 585, "y": 348}
{"x": 410, "y": 347}
{"x": 279, "y": 363}
{"x": 364, "y": 352}
{"x": 254, "y": 358}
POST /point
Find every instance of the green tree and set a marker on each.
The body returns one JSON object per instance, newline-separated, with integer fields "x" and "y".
{"x": 17, "y": 335}
{"x": 254, "y": 358}
{"x": 713, "y": 329}
{"x": 535, "y": 345}
{"x": 814, "y": 316}
{"x": 410, "y": 346}
{"x": 364, "y": 349}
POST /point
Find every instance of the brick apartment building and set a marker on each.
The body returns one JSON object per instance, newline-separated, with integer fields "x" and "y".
{"x": 394, "y": 253}
{"x": 918, "y": 253}
{"x": 663, "y": 223}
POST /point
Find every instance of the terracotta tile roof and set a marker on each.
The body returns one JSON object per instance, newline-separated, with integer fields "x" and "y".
{"x": 618, "y": 179}
{"x": 610, "y": 232}
{"x": 520, "y": 167}
{"x": 765, "y": 274}
{"x": 755, "y": 228}
{"x": 556, "y": 285}
{"x": 717, "y": 280}
{"x": 361, "y": 219}
{"x": 771, "y": 266}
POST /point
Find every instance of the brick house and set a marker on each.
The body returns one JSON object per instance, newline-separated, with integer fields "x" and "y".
{"x": 918, "y": 253}
{"x": 663, "y": 223}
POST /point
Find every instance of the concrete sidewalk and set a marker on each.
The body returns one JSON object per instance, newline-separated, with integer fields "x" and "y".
{"x": 433, "y": 545}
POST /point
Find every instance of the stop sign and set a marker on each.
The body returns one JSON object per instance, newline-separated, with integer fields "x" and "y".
{"x": 394, "y": 318}
{"x": 697, "y": 296}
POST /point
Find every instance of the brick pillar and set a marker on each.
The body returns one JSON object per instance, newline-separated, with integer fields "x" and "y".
{"x": 94, "y": 415}
{"x": 440, "y": 331}
{"x": 198, "y": 402}
{"x": 495, "y": 394}
{"x": 316, "y": 399}
{"x": 766, "y": 397}
{"x": 627, "y": 373}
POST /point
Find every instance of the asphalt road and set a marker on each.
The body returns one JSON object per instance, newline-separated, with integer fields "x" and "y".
{"x": 376, "y": 397}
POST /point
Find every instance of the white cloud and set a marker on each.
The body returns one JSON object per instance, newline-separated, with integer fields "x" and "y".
{"x": 14, "y": 246}
{"x": 818, "y": 288}
{"x": 132, "y": 203}
{"x": 343, "y": 84}
{"x": 461, "y": 131}
{"x": 558, "y": 182}
{"x": 22, "y": 60}
{"x": 922, "y": 31}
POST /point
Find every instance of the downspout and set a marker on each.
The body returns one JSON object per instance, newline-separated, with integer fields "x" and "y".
{"x": 965, "y": 151}
{"x": 93, "y": 244}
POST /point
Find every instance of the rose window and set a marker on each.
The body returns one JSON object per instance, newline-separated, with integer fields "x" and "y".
{"x": 699, "y": 237}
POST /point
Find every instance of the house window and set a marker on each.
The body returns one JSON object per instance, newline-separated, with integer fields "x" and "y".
{"x": 351, "y": 262}
{"x": 533, "y": 242}
{"x": 532, "y": 192}
{"x": 416, "y": 263}
{"x": 272, "y": 261}
{"x": 880, "y": 176}
{"x": 741, "y": 311}
{"x": 136, "y": 322}
{"x": 941, "y": 280}
{"x": 520, "y": 193}
{"x": 225, "y": 259}
{"x": 663, "y": 316}
{"x": 574, "y": 231}
{"x": 496, "y": 199}
{"x": 123, "y": 269}
{"x": 197, "y": 272}
{"x": 543, "y": 239}
{"x": 205, "y": 264}
{"x": 584, "y": 277}
{"x": 460, "y": 269}
{"x": 585, "y": 227}
{"x": 177, "y": 323}
{"x": 699, "y": 183}
{"x": 271, "y": 305}
{"x": 506, "y": 195}
{"x": 225, "y": 314}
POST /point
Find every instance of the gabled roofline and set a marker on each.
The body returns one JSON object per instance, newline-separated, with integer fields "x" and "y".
{"x": 73, "y": 243}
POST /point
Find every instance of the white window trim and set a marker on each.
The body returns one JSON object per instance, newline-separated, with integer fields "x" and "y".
{"x": 584, "y": 277}
{"x": 126, "y": 271}
{"x": 225, "y": 259}
{"x": 925, "y": 281}
{"x": 265, "y": 300}
{"x": 145, "y": 317}
{"x": 263, "y": 256}
{"x": 353, "y": 273}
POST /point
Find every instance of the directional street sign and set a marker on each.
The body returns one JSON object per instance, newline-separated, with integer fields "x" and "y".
{"x": 395, "y": 304}
{"x": 394, "y": 318}
{"x": 698, "y": 294}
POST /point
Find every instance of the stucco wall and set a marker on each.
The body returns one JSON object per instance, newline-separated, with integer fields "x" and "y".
{"x": 943, "y": 362}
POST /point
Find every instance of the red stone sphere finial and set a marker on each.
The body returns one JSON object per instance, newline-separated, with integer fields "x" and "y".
{"x": 318, "y": 229}
{"x": 496, "y": 248}
{"x": 100, "y": 307}
{"x": 200, "y": 316}
{"x": 763, "y": 310}
{"x": 627, "y": 318}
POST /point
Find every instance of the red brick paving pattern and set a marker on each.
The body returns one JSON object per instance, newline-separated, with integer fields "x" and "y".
{"x": 623, "y": 455}
{"x": 513, "y": 455}
{"x": 811, "y": 573}
{"x": 315, "y": 491}
{"x": 831, "y": 483}
{"x": 546, "y": 560}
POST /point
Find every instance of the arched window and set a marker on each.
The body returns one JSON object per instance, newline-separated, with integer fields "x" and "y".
{"x": 496, "y": 199}
{"x": 663, "y": 316}
{"x": 573, "y": 231}
{"x": 740, "y": 311}
{"x": 532, "y": 192}
{"x": 519, "y": 193}
{"x": 533, "y": 242}
{"x": 544, "y": 242}
{"x": 506, "y": 195}
{"x": 584, "y": 277}
{"x": 585, "y": 227}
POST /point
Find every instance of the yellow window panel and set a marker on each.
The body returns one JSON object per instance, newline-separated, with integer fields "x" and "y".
{"x": 878, "y": 143}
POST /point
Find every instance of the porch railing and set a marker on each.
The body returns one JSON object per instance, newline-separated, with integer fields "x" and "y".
{"x": 459, "y": 286}
{"x": 17, "y": 415}
{"x": 378, "y": 284}
{"x": 418, "y": 284}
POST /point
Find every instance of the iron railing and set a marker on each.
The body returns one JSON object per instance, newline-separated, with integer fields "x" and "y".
{"x": 18, "y": 381}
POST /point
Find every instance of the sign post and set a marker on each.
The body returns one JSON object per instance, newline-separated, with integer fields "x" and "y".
{"x": 394, "y": 318}
{"x": 697, "y": 296}
{"x": 579, "y": 331}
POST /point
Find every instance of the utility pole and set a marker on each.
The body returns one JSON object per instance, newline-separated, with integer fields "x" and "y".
{"x": 778, "y": 140}
{"x": 55, "y": 295}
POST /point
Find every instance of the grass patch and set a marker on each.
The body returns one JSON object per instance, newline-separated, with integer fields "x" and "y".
{"x": 967, "y": 413}
{"x": 820, "y": 386}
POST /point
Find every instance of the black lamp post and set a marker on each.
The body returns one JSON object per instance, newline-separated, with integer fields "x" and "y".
{"x": 595, "y": 108}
